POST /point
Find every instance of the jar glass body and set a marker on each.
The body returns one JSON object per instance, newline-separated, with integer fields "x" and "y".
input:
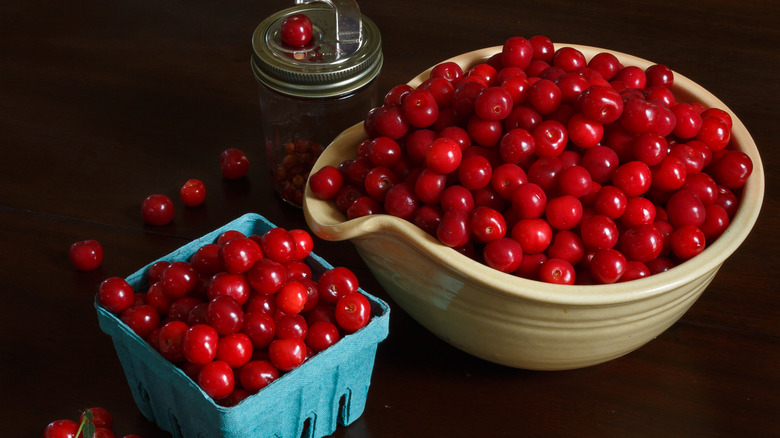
{"x": 296, "y": 129}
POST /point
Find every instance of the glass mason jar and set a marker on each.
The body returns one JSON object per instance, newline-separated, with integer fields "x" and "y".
{"x": 309, "y": 95}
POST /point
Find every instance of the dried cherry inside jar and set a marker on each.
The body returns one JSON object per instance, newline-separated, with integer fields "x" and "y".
{"x": 309, "y": 94}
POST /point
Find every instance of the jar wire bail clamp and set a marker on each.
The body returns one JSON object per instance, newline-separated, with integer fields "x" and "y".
{"x": 349, "y": 26}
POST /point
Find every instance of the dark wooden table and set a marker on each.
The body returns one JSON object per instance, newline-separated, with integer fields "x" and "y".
{"x": 103, "y": 103}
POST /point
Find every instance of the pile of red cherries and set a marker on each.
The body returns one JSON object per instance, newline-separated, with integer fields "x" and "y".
{"x": 241, "y": 311}
{"x": 545, "y": 164}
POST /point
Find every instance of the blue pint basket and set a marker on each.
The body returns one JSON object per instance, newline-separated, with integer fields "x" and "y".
{"x": 327, "y": 391}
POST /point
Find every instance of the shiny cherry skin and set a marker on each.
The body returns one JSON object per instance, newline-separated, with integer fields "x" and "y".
{"x": 564, "y": 212}
{"x": 278, "y": 245}
{"x": 643, "y": 243}
{"x": 229, "y": 284}
{"x": 171, "y": 340}
{"x": 193, "y": 193}
{"x": 239, "y": 254}
{"x": 200, "y": 344}
{"x": 353, "y": 311}
{"x": 157, "y": 210}
{"x": 225, "y": 314}
{"x": 235, "y": 349}
{"x": 115, "y": 294}
{"x": 454, "y": 229}
{"x": 287, "y": 354}
{"x": 61, "y": 429}
{"x": 292, "y": 297}
{"x": 608, "y": 265}
{"x": 256, "y": 375}
{"x": 266, "y": 276}
{"x": 304, "y": 243}
{"x": 321, "y": 335}
{"x": 179, "y": 279}
{"x": 206, "y": 260}
{"x": 86, "y": 255}
{"x": 101, "y": 417}
{"x": 217, "y": 380}
{"x": 687, "y": 241}
{"x": 326, "y": 182}
{"x": 260, "y": 327}
{"x": 685, "y": 208}
{"x": 487, "y": 224}
{"x": 296, "y": 31}
{"x": 336, "y": 283}
{"x": 420, "y": 108}
{"x": 557, "y": 271}
{"x": 503, "y": 254}
{"x": 233, "y": 163}
{"x": 143, "y": 319}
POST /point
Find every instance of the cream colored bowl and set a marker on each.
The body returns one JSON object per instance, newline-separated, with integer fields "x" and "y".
{"x": 518, "y": 322}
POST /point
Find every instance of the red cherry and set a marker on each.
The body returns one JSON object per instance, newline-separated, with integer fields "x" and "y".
{"x": 450, "y": 71}
{"x": 353, "y": 311}
{"x": 115, "y": 294}
{"x": 260, "y": 327}
{"x": 493, "y": 103}
{"x": 266, "y": 276}
{"x": 487, "y": 224}
{"x": 257, "y": 374}
{"x": 225, "y": 314}
{"x": 171, "y": 340}
{"x": 228, "y": 284}
{"x": 61, "y": 429}
{"x": 179, "y": 279}
{"x": 217, "y": 379}
{"x": 200, "y": 343}
{"x": 420, "y": 108}
{"x": 206, "y": 260}
{"x": 642, "y": 243}
{"x": 443, "y": 156}
{"x": 556, "y": 271}
{"x": 287, "y": 354}
{"x": 566, "y": 245}
{"x": 732, "y": 169}
{"x": 321, "y": 335}
{"x": 143, "y": 319}
{"x": 326, "y": 182}
{"x": 101, "y": 417}
{"x": 296, "y": 30}
{"x": 278, "y": 245}
{"x": 239, "y": 254}
{"x": 503, "y": 254}
{"x": 235, "y": 349}
{"x": 336, "y": 283}
{"x": 687, "y": 241}
{"x": 517, "y": 52}
{"x": 292, "y": 297}
{"x": 86, "y": 255}
{"x": 193, "y": 193}
{"x": 608, "y": 265}
{"x": 233, "y": 163}
{"x": 157, "y": 210}
{"x": 304, "y": 243}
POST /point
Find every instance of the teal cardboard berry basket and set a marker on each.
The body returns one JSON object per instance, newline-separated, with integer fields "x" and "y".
{"x": 328, "y": 390}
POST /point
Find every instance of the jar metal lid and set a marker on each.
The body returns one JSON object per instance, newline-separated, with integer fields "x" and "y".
{"x": 322, "y": 69}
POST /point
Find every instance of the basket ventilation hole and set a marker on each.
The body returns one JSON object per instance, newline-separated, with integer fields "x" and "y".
{"x": 175, "y": 427}
{"x": 308, "y": 426}
{"x": 344, "y": 407}
{"x": 145, "y": 399}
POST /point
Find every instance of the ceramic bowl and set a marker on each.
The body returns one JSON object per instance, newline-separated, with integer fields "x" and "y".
{"x": 518, "y": 322}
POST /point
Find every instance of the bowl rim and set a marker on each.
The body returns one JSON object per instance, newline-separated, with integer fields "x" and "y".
{"x": 330, "y": 224}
